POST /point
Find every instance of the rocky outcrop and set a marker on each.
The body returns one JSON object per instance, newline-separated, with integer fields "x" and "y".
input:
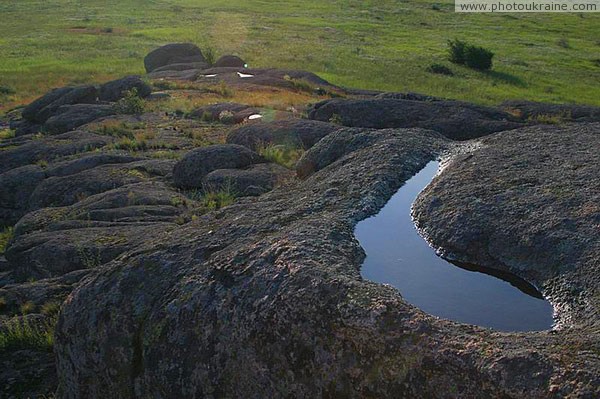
{"x": 454, "y": 119}
{"x": 46, "y": 106}
{"x": 190, "y": 171}
{"x": 251, "y": 181}
{"x": 525, "y": 202}
{"x": 175, "y": 53}
{"x": 294, "y": 133}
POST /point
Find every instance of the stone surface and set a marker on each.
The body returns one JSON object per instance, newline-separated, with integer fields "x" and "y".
{"x": 115, "y": 90}
{"x": 190, "y": 171}
{"x": 231, "y": 61}
{"x": 530, "y": 110}
{"x": 175, "y": 53}
{"x": 70, "y": 117}
{"x": 46, "y": 106}
{"x": 251, "y": 181}
{"x": 229, "y": 113}
{"x": 527, "y": 202}
{"x": 454, "y": 119}
{"x": 296, "y": 133}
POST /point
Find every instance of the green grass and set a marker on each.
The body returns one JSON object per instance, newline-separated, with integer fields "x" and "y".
{"x": 5, "y": 235}
{"x": 22, "y": 334}
{"x": 375, "y": 44}
{"x": 280, "y": 154}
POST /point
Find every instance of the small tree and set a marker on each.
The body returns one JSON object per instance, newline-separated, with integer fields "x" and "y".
{"x": 130, "y": 104}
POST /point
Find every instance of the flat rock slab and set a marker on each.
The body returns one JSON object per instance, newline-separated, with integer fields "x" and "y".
{"x": 528, "y": 202}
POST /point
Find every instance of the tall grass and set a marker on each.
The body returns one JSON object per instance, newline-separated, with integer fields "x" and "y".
{"x": 281, "y": 154}
{"x": 25, "y": 334}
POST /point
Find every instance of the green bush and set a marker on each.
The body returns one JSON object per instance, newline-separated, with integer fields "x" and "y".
{"x": 130, "y": 104}
{"x": 472, "y": 56}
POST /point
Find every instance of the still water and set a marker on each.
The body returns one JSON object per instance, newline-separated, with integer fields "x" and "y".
{"x": 399, "y": 256}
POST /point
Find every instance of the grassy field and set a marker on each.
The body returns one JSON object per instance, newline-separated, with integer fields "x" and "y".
{"x": 378, "y": 44}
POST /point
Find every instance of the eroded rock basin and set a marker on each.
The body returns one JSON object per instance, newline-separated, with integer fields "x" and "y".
{"x": 399, "y": 256}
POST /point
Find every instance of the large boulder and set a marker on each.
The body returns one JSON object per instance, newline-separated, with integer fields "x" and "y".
{"x": 17, "y": 186}
{"x": 115, "y": 90}
{"x": 191, "y": 170}
{"x": 70, "y": 117}
{"x": 251, "y": 181}
{"x": 48, "y": 105}
{"x": 175, "y": 53}
{"x": 297, "y": 133}
{"x": 231, "y": 61}
{"x": 454, "y": 119}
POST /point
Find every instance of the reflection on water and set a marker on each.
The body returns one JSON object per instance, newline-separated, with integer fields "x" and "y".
{"x": 398, "y": 255}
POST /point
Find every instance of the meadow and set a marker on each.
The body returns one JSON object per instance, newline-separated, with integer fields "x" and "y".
{"x": 378, "y": 44}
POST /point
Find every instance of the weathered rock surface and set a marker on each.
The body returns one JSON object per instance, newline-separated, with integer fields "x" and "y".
{"x": 251, "y": 181}
{"x": 70, "y": 117}
{"x": 46, "y": 106}
{"x": 454, "y": 119}
{"x": 190, "y": 171}
{"x": 530, "y": 110}
{"x": 296, "y": 133}
{"x": 187, "y": 66}
{"x": 116, "y": 89}
{"x": 231, "y": 61}
{"x": 175, "y": 53}
{"x": 527, "y": 202}
{"x": 229, "y": 113}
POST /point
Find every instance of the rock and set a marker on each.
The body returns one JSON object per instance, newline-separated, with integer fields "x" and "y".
{"x": 343, "y": 142}
{"x": 70, "y": 167}
{"x": 70, "y": 117}
{"x": 187, "y": 66}
{"x": 540, "y": 112}
{"x": 230, "y": 61}
{"x": 251, "y": 181}
{"x": 189, "y": 75}
{"x": 525, "y": 202}
{"x": 454, "y": 119}
{"x": 176, "y": 53}
{"x": 190, "y": 171}
{"x": 66, "y": 190}
{"x": 47, "y": 106}
{"x": 115, "y": 90}
{"x": 297, "y": 133}
{"x": 49, "y": 148}
{"x": 228, "y": 113}
{"x": 17, "y": 186}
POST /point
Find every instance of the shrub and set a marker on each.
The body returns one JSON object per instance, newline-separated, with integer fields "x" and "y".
{"x": 215, "y": 199}
{"x": 130, "y": 104}
{"x": 440, "y": 69}
{"x": 456, "y": 51}
{"x": 563, "y": 42}
{"x": 226, "y": 117}
{"x": 472, "y": 56}
{"x": 479, "y": 58}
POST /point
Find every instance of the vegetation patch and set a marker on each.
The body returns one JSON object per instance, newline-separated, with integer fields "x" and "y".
{"x": 5, "y": 236}
{"x": 21, "y": 333}
{"x": 281, "y": 154}
{"x": 474, "y": 57}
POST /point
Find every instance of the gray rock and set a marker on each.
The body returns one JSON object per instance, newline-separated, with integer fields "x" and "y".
{"x": 297, "y": 133}
{"x": 175, "y": 53}
{"x": 231, "y": 61}
{"x": 70, "y": 117}
{"x": 229, "y": 113}
{"x": 115, "y": 90}
{"x": 524, "y": 202}
{"x": 190, "y": 171}
{"x": 17, "y": 186}
{"x": 536, "y": 111}
{"x": 182, "y": 67}
{"x": 454, "y": 119}
{"x": 47, "y": 106}
{"x": 251, "y": 181}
